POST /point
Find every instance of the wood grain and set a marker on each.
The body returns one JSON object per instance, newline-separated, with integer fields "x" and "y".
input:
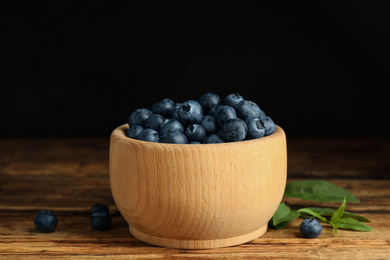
{"x": 71, "y": 175}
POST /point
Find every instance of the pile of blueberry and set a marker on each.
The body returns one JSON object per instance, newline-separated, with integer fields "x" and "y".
{"x": 208, "y": 120}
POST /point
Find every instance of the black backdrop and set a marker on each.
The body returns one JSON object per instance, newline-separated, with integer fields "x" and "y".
{"x": 79, "y": 68}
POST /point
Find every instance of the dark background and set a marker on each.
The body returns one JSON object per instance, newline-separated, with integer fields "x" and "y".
{"x": 79, "y": 68}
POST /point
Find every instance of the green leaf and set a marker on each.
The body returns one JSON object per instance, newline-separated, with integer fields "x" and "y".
{"x": 336, "y": 216}
{"x": 283, "y": 216}
{"x": 327, "y": 212}
{"x": 313, "y": 213}
{"x": 318, "y": 190}
{"x": 334, "y": 225}
{"x": 350, "y": 223}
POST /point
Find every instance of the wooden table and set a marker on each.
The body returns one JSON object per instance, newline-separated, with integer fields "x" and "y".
{"x": 70, "y": 175}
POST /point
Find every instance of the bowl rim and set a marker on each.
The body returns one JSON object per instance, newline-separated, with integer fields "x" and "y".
{"x": 119, "y": 133}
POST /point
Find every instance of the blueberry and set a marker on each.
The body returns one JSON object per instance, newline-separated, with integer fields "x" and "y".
{"x": 214, "y": 111}
{"x": 155, "y": 122}
{"x": 190, "y": 112}
{"x": 174, "y": 138}
{"x": 269, "y": 125}
{"x": 195, "y": 133}
{"x": 195, "y": 142}
{"x": 210, "y": 124}
{"x": 213, "y": 139}
{"x": 149, "y": 135}
{"x": 225, "y": 113}
{"x": 310, "y": 228}
{"x": 256, "y": 128}
{"x": 134, "y": 131}
{"x": 171, "y": 126}
{"x": 46, "y": 221}
{"x": 208, "y": 101}
{"x": 164, "y": 107}
{"x": 247, "y": 108}
{"x": 139, "y": 116}
{"x": 233, "y": 130}
{"x": 100, "y": 218}
{"x": 233, "y": 99}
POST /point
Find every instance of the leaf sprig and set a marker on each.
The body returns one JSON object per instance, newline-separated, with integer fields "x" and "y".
{"x": 323, "y": 191}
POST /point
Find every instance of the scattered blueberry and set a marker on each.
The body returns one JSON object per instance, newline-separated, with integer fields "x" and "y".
{"x": 256, "y": 128}
{"x": 233, "y": 99}
{"x": 208, "y": 101}
{"x": 171, "y": 126}
{"x": 310, "y": 228}
{"x": 100, "y": 217}
{"x": 225, "y": 113}
{"x": 46, "y": 221}
{"x": 164, "y": 107}
{"x": 155, "y": 122}
{"x": 213, "y": 139}
{"x": 149, "y": 135}
{"x": 139, "y": 116}
{"x": 134, "y": 131}
{"x": 174, "y": 138}
{"x": 233, "y": 130}
{"x": 269, "y": 125}
{"x": 210, "y": 124}
{"x": 190, "y": 112}
{"x": 247, "y": 108}
{"x": 195, "y": 133}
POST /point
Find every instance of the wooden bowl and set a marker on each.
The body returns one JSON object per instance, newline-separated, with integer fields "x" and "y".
{"x": 197, "y": 196}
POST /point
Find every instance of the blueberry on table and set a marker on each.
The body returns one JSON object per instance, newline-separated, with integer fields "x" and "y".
{"x": 233, "y": 130}
{"x": 269, "y": 125}
{"x": 100, "y": 218}
{"x": 190, "y": 112}
{"x": 46, "y": 221}
{"x": 209, "y": 124}
{"x": 233, "y": 99}
{"x": 164, "y": 107}
{"x": 195, "y": 133}
{"x": 256, "y": 128}
{"x": 134, "y": 131}
{"x": 247, "y": 108}
{"x": 174, "y": 138}
{"x": 149, "y": 135}
{"x": 171, "y": 126}
{"x": 225, "y": 113}
{"x": 310, "y": 228}
{"x": 155, "y": 122}
{"x": 139, "y": 116}
{"x": 208, "y": 101}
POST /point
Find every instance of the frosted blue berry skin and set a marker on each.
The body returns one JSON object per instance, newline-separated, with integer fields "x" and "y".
{"x": 247, "y": 108}
{"x": 190, "y": 112}
{"x": 269, "y": 125}
{"x": 310, "y": 228}
{"x": 149, "y": 135}
{"x": 256, "y": 128}
{"x": 233, "y": 99}
{"x": 155, "y": 122}
{"x": 46, "y": 221}
{"x": 174, "y": 138}
{"x": 164, "y": 107}
{"x": 139, "y": 116}
{"x": 214, "y": 111}
{"x": 208, "y": 101}
{"x": 225, "y": 114}
{"x": 213, "y": 139}
{"x": 234, "y": 130}
{"x": 171, "y": 126}
{"x": 210, "y": 124}
{"x": 100, "y": 218}
{"x": 134, "y": 131}
{"x": 195, "y": 133}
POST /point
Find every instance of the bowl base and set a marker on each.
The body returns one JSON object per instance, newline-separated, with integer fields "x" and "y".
{"x": 197, "y": 244}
